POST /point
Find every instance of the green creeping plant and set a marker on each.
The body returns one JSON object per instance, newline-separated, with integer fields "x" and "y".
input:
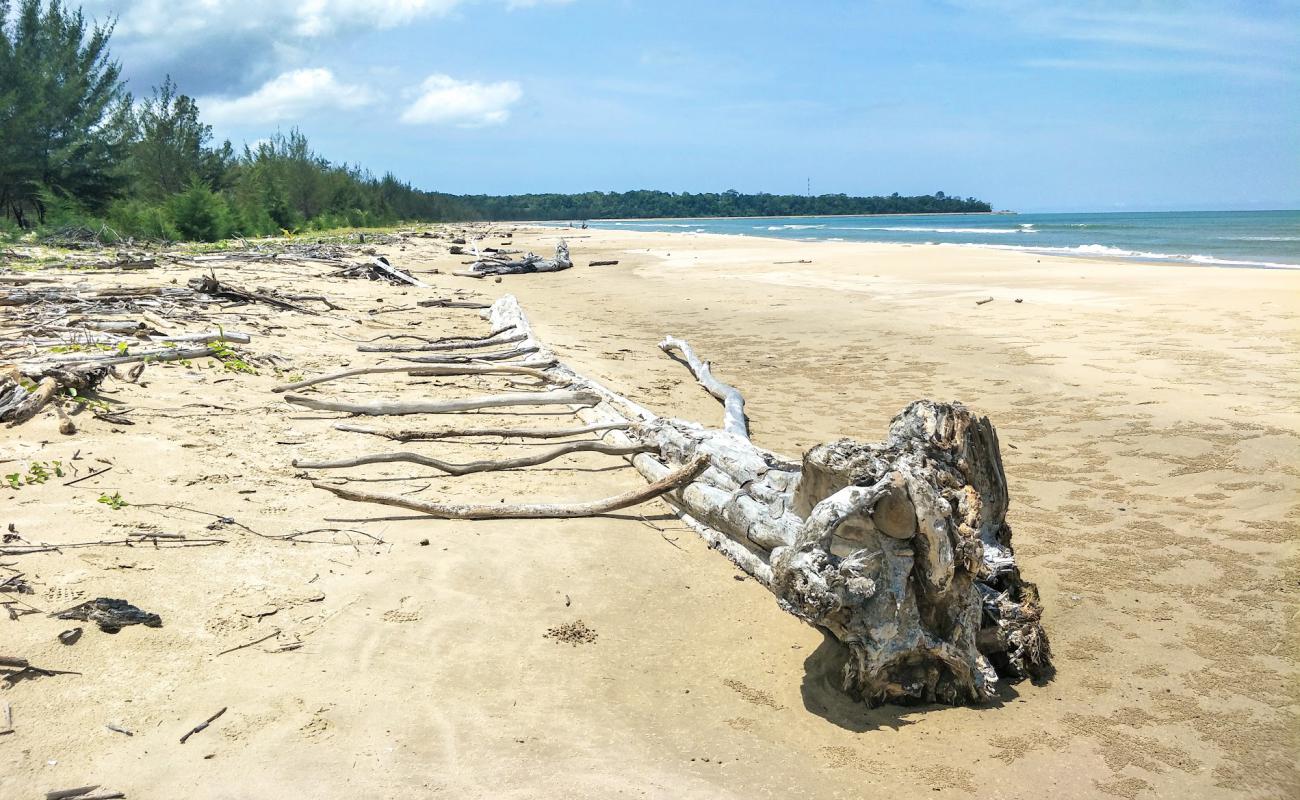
{"x": 114, "y": 501}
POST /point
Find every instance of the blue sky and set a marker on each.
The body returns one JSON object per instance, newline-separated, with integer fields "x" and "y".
{"x": 1032, "y": 106}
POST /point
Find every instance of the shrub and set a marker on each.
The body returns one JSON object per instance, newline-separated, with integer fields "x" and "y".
{"x": 142, "y": 220}
{"x": 201, "y": 215}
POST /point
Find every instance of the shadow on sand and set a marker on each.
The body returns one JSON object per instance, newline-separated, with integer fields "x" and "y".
{"x": 823, "y": 695}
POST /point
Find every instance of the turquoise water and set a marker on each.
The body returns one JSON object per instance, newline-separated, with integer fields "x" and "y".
{"x": 1262, "y": 239}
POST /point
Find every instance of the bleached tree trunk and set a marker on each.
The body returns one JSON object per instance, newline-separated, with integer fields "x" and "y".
{"x": 900, "y": 549}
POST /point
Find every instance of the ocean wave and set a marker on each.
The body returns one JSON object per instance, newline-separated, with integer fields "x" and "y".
{"x": 1261, "y": 238}
{"x": 915, "y": 229}
{"x": 787, "y": 227}
{"x": 1115, "y": 252}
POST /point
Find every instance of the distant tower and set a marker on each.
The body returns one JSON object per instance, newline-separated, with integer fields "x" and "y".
{"x": 810, "y": 187}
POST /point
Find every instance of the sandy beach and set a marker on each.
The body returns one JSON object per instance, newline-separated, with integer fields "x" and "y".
{"x": 1149, "y": 420}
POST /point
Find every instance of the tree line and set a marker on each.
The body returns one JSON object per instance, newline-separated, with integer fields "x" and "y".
{"x": 77, "y": 148}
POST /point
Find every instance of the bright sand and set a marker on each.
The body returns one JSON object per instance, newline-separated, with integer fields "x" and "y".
{"x": 1148, "y": 417}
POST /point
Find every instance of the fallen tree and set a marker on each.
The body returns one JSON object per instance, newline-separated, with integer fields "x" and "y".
{"x": 488, "y": 267}
{"x": 900, "y": 549}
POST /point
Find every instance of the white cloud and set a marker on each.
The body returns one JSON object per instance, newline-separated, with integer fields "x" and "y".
{"x": 320, "y": 17}
{"x": 175, "y": 19}
{"x": 443, "y": 100}
{"x": 287, "y": 97}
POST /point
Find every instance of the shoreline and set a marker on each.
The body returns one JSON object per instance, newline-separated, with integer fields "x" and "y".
{"x": 1130, "y": 257}
{"x": 1171, "y": 261}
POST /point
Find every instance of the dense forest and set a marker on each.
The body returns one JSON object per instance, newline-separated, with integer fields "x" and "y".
{"x": 77, "y": 149}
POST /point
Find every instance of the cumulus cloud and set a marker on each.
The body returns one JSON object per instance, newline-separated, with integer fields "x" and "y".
{"x": 287, "y": 97}
{"x": 443, "y": 100}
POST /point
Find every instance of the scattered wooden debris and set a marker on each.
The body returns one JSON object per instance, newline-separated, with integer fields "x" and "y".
{"x": 379, "y": 269}
{"x": 985, "y": 300}
{"x": 609, "y": 263}
{"x": 210, "y": 286}
{"x": 203, "y": 725}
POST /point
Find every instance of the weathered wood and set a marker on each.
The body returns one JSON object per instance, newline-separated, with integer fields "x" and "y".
{"x": 443, "y": 302}
{"x": 31, "y": 405}
{"x": 529, "y": 263}
{"x": 380, "y": 264}
{"x": 532, "y": 369}
{"x": 488, "y": 465}
{"x": 166, "y": 354}
{"x": 382, "y": 408}
{"x": 455, "y": 433}
{"x": 733, "y": 420}
{"x": 673, "y": 480}
{"x": 899, "y": 549}
{"x": 501, "y": 355}
{"x": 438, "y": 347}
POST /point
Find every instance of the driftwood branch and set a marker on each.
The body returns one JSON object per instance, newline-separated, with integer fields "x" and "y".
{"x": 733, "y": 403}
{"x": 673, "y": 480}
{"x": 454, "y": 433}
{"x": 500, "y": 355}
{"x": 381, "y": 408}
{"x": 532, "y": 369}
{"x": 439, "y": 346}
{"x": 530, "y": 460}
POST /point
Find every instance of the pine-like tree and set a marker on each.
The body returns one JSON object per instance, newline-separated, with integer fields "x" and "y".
{"x": 64, "y": 113}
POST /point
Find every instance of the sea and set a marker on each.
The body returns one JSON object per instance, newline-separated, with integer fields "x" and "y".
{"x": 1248, "y": 239}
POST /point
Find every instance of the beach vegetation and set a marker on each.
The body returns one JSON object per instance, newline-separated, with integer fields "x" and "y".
{"x": 77, "y": 151}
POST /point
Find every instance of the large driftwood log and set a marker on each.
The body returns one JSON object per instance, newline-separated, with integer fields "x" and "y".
{"x": 484, "y": 268}
{"x": 899, "y": 549}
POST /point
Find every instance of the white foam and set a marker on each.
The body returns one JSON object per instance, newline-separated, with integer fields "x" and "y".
{"x": 1262, "y": 238}
{"x": 1114, "y": 252}
{"x": 912, "y": 229}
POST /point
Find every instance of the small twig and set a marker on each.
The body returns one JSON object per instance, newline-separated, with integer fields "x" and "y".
{"x": 205, "y": 723}
{"x": 116, "y": 729}
{"x": 270, "y": 635}
{"x": 87, "y": 476}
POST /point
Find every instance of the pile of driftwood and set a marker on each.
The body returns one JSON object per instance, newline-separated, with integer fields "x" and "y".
{"x": 378, "y": 269}
{"x": 900, "y": 549}
{"x": 63, "y": 341}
